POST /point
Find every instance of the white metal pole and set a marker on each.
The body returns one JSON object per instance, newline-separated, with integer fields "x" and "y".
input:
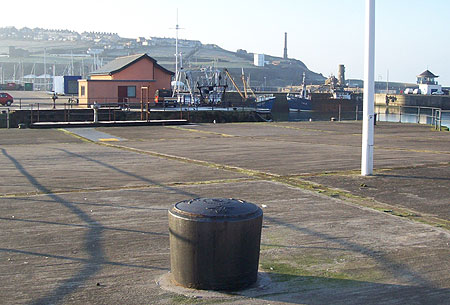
{"x": 176, "y": 55}
{"x": 369, "y": 91}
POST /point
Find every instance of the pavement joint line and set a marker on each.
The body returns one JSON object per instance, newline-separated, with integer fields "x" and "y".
{"x": 309, "y": 186}
{"x": 431, "y": 165}
{"x": 326, "y": 131}
{"x": 298, "y": 128}
{"x": 383, "y": 207}
{"x": 358, "y": 171}
{"x": 298, "y": 183}
{"x": 358, "y": 134}
{"x": 202, "y": 131}
{"x": 414, "y": 150}
{"x": 121, "y": 188}
{"x": 359, "y": 146}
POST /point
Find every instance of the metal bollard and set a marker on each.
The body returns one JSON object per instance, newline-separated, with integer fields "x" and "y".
{"x": 95, "y": 107}
{"x": 215, "y": 243}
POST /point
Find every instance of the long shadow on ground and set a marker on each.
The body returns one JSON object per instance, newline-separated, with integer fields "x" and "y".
{"x": 311, "y": 290}
{"x": 91, "y": 244}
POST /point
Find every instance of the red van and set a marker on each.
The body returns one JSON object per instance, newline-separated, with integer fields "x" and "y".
{"x": 6, "y": 99}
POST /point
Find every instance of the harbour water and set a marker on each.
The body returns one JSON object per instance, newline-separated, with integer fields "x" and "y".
{"x": 412, "y": 116}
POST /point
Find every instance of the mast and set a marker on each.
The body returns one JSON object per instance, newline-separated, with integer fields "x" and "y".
{"x": 177, "y": 72}
{"x": 244, "y": 83}
{"x": 387, "y": 82}
{"x": 304, "y": 86}
{"x": 21, "y": 73}
{"x": 33, "y": 73}
{"x": 71, "y": 68}
{"x": 176, "y": 54}
{"x": 45, "y": 69}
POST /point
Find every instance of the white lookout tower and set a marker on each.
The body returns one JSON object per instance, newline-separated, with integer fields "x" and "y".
{"x": 427, "y": 83}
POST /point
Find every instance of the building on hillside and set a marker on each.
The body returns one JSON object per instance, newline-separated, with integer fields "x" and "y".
{"x": 258, "y": 60}
{"x": 120, "y": 82}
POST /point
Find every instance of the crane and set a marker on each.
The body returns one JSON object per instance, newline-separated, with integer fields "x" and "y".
{"x": 234, "y": 84}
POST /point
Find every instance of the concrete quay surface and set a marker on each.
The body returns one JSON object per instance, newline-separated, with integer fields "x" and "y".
{"x": 85, "y": 221}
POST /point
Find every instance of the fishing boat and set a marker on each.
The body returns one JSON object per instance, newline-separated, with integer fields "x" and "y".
{"x": 341, "y": 94}
{"x": 299, "y": 101}
{"x": 265, "y": 102}
{"x": 262, "y": 102}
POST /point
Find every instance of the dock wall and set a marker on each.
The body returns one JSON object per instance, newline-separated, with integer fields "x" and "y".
{"x": 27, "y": 117}
{"x": 437, "y": 101}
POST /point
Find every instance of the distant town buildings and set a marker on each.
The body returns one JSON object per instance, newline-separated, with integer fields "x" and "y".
{"x": 38, "y": 34}
{"x": 107, "y": 41}
{"x": 99, "y": 37}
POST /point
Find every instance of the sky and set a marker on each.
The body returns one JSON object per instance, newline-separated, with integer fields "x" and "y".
{"x": 411, "y": 35}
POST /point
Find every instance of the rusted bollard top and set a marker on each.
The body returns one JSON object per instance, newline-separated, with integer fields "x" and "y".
{"x": 227, "y": 208}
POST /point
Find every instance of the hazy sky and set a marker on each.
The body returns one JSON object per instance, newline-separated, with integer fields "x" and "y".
{"x": 411, "y": 35}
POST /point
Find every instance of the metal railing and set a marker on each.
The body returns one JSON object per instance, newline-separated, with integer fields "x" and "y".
{"x": 412, "y": 114}
{"x": 45, "y": 110}
{"x": 5, "y": 118}
{"x": 432, "y": 116}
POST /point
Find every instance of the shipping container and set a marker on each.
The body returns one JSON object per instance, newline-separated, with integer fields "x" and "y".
{"x": 66, "y": 85}
{"x": 28, "y": 86}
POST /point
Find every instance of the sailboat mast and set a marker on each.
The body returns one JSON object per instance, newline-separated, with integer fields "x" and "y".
{"x": 45, "y": 69}
{"x": 72, "y": 67}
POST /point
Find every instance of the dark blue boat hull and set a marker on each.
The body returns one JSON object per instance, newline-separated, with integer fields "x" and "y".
{"x": 265, "y": 105}
{"x": 299, "y": 104}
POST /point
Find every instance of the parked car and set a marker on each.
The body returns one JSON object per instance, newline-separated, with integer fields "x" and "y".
{"x": 409, "y": 91}
{"x": 437, "y": 92}
{"x": 6, "y": 99}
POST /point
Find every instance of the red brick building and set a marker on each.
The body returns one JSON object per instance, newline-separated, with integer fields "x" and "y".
{"x": 121, "y": 81}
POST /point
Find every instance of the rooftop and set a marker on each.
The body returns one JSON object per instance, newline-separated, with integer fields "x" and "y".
{"x": 121, "y": 63}
{"x": 427, "y": 74}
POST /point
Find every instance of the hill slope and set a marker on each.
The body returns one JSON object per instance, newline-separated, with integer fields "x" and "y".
{"x": 73, "y": 53}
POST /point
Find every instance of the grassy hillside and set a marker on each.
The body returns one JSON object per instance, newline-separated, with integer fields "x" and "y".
{"x": 65, "y": 56}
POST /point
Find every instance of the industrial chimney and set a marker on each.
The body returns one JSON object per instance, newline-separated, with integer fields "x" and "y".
{"x": 341, "y": 75}
{"x": 285, "y": 46}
